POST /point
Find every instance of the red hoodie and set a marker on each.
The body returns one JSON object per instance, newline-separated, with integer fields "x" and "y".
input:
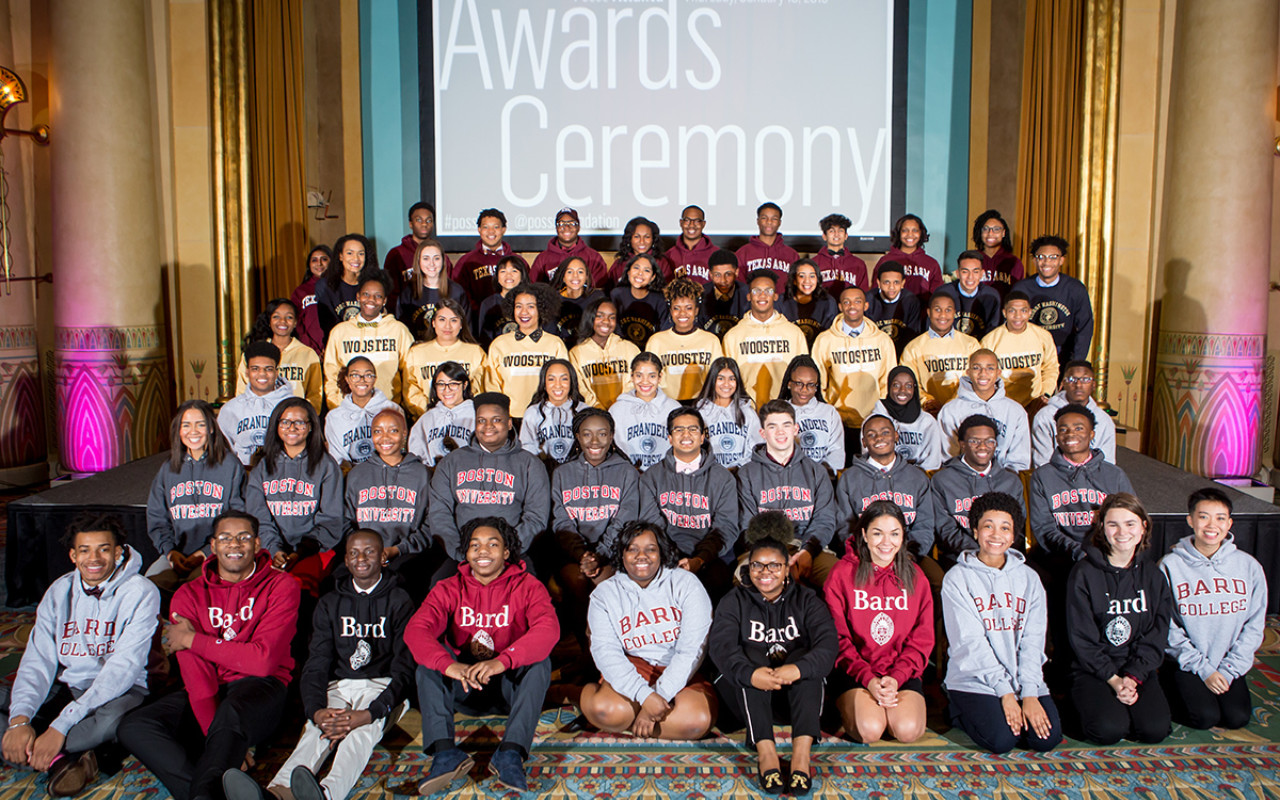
{"x": 755, "y": 254}
{"x": 474, "y": 271}
{"x": 695, "y": 262}
{"x": 841, "y": 270}
{"x": 922, "y": 273}
{"x": 882, "y": 631}
{"x": 548, "y": 261}
{"x": 242, "y": 630}
{"x": 511, "y": 619}
{"x": 308, "y": 328}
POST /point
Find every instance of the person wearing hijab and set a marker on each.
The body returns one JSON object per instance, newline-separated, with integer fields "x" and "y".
{"x": 920, "y": 439}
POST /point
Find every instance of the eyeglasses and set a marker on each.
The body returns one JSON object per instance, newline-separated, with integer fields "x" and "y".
{"x": 980, "y": 442}
{"x": 810, "y": 385}
{"x": 693, "y": 221}
{"x": 294, "y": 424}
{"x": 569, "y": 224}
{"x": 362, "y": 376}
{"x": 993, "y": 229}
{"x": 448, "y": 384}
{"x": 761, "y": 290}
{"x": 687, "y": 429}
{"x": 1047, "y": 257}
{"x": 772, "y": 567}
{"x": 239, "y": 538}
{"x": 1077, "y": 380}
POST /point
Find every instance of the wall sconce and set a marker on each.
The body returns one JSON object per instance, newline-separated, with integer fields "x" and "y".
{"x": 12, "y": 92}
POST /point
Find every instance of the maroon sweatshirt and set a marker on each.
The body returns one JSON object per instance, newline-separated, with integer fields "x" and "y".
{"x": 693, "y": 261}
{"x": 399, "y": 264}
{"x": 511, "y": 619}
{"x": 308, "y": 329}
{"x": 921, "y": 270}
{"x": 548, "y": 261}
{"x": 474, "y": 271}
{"x": 242, "y": 630}
{"x": 841, "y": 270}
{"x": 882, "y": 630}
{"x": 1003, "y": 270}
{"x": 755, "y": 254}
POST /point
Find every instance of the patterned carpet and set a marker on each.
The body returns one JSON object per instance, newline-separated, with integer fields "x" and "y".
{"x": 1204, "y": 765}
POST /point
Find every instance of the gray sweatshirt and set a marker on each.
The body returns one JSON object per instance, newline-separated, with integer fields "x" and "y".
{"x": 292, "y": 504}
{"x": 1044, "y": 431}
{"x": 1219, "y": 608}
{"x": 547, "y": 430}
{"x": 996, "y": 621}
{"x": 642, "y": 427}
{"x": 182, "y": 505}
{"x": 820, "y": 433}
{"x": 97, "y": 646}
{"x": 1063, "y": 496}
{"x": 697, "y": 510}
{"x": 472, "y": 482}
{"x": 903, "y": 484}
{"x": 953, "y": 489}
{"x": 243, "y": 419}
{"x": 920, "y": 442}
{"x": 801, "y": 489}
{"x": 664, "y": 623}
{"x": 347, "y": 428}
{"x": 731, "y": 443}
{"x": 1013, "y": 439}
{"x": 594, "y": 502}
{"x": 427, "y": 439}
{"x": 392, "y": 500}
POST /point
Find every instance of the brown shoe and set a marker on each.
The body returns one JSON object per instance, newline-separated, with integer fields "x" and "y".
{"x": 69, "y": 776}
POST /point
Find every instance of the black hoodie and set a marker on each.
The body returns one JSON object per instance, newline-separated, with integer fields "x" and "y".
{"x": 796, "y": 627}
{"x": 359, "y": 635}
{"x": 1118, "y": 618}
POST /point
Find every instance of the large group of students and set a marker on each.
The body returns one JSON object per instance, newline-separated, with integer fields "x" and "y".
{"x": 754, "y": 488}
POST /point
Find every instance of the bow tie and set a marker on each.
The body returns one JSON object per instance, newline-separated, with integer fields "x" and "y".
{"x": 535, "y": 336}
{"x": 366, "y": 324}
{"x": 95, "y": 591}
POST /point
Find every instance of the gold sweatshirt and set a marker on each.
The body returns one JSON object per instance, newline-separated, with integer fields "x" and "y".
{"x": 420, "y": 366}
{"x": 855, "y": 369}
{"x": 385, "y": 341}
{"x": 939, "y": 362}
{"x": 514, "y": 364}
{"x": 686, "y": 357}
{"x": 1028, "y": 361}
{"x": 763, "y": 350}
{"x": 299, "y": 367}
{"x": 604, "y": 373}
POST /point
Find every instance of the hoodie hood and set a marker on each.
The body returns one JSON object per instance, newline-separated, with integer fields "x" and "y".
{"x": 209, "y": 573}
{"x": 1185, "y": 550}
{"x": 966, "y": 391}
{"x": 1073, "y": 472}
{"x": 1012, "y": 561}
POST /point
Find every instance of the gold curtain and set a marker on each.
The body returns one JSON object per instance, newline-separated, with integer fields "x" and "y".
{"x": 1067, "y": 143}
{"x": 231, "y": 226}
{"x": 277, "y": 171}
{"x": 1101, "y": 89}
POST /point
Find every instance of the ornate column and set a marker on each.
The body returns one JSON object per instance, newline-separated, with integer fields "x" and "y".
{"x": 1215, "y": 238}
{"x": 111, "y": 365}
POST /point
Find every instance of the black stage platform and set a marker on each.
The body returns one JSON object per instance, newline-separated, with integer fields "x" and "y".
{"x": 34, "y": 557}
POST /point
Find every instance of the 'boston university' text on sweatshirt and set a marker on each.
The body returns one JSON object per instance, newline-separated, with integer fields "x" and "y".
{"x": 697, "y": 510}
{"x": 472, "y": 482}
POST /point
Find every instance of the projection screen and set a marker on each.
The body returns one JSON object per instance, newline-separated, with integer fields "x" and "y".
{"x": 621, "y": 108}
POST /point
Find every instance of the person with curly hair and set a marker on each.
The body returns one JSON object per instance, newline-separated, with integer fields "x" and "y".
{"x": 576, "y": 287}
{"x": 993, "y": 237}
{"x": 492, "y": 318}
{"x": 806, "y": 302}
{"x": 373, "y": 333}
{"x": 685, "y": 349}
{"x": 482, "y": 641}
{"x": 641, "y": 235}
{"x": 906, "y": 247}
{"x": 516, "y": 358}
{"x": 649, "y": 625}
{"x": 641, "y": 306}
{"x": 774, "y": 643}
{"x": 353, "y": 259}
{"x": 602, "y": 357}
{"x": 838, "y": 267}
{"x": 299, "y": 365}
{"x": 564, "y": 245}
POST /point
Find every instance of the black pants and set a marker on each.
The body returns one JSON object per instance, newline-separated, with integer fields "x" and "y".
{"x": 799, "y": 704}
{"x": 1105, "y": 720}
{"x": 96, "y": 728}
{"x": 1197, "y": 707}
{"x": 982, "y": 717}
{"x": 166, "y": 738}
{"x": 517, "y": 692}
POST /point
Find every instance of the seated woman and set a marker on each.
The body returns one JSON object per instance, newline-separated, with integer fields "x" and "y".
{"x": 1118, "y": 610}
{"x": 883, "y": 612}
{"x": 649, "y": 626}
{"x": 295, "y": 491}
{"x": 483, "y": 640}
{"x": 593, "y": 494}
{"x": 201, "y": 479}
{"x": 548, "y": 421}
{"x": 993, "y": 606}
{"x": 1215, "y": 631}
{"x": 450, "y": 418}
{"x": 774, "y": 643}
{"x": 641, "y": 413}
